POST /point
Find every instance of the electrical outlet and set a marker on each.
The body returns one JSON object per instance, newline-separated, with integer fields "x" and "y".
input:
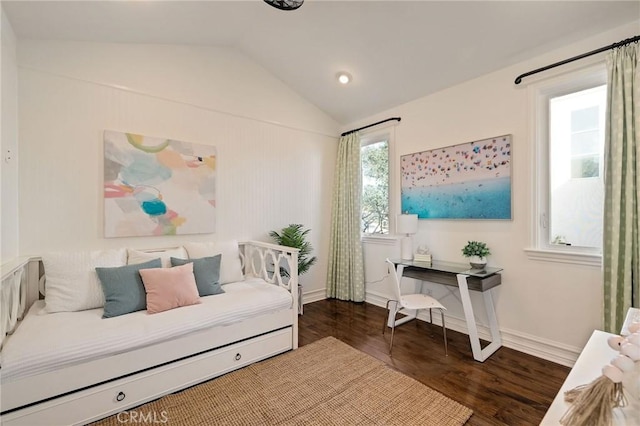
{"x": 8, "y": 156}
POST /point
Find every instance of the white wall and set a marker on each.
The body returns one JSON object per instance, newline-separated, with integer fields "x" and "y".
{"x": 547, "y": 309}
{"x": 276, "y": 152}
{"x": 8, "y": 142}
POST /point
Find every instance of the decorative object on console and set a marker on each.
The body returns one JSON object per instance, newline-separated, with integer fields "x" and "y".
{"x": 406, "y": 224}
{"x": 477, "y": 253}
{"x": 633, "y": 316}
{"x": 422, "y": 254}
{"x": 618, "y": 386}
{"x": 157, "y": 186}
{"x": 465, "y": 181}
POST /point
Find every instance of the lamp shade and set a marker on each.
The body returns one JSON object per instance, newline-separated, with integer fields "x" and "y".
{"x": 407, "y": 224}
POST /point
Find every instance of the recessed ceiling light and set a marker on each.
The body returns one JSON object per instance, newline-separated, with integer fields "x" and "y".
{"x": 344, "y": 77}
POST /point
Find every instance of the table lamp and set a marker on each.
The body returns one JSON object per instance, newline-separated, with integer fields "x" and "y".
{"x": 407, "y": 224}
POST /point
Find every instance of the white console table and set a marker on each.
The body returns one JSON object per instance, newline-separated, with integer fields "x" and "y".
{"x": 595, "y": 355}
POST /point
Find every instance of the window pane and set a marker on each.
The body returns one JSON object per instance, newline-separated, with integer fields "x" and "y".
{"x": 576, "y": 148}
{"x": 585, "y": 167}
{"x": 586, "y": 142}
{"x": 375, "y": 188}
{"x": 584, "y": 119}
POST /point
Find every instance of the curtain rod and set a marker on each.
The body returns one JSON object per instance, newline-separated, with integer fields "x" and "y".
{"x": 371, "y": 125}
{"x": 575, "y": 58}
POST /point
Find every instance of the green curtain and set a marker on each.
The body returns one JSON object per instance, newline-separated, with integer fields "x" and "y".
{"x": 621, "y": 261}
{"x": 345, "y": 275}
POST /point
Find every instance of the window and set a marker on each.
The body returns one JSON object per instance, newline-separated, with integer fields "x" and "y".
{"x": 569, "y": 147}
{"x": 576, "y": 143}
{"x": 587, "y": 136}
{"x": 374, "y": 156}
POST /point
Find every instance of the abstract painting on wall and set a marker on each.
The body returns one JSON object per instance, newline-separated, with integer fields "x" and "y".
{"x": 467, "y": 181}
{"x": 156, "y": 186}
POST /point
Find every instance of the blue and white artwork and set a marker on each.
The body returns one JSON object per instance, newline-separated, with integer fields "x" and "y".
{"x": 467, "y": 181}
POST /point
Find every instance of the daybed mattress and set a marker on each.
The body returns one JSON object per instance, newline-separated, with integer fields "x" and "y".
{"x": 46, "y": 342}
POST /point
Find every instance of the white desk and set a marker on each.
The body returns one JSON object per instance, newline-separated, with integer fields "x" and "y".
{"x": 595, "y": 355}
{"x": 458, "y": 275}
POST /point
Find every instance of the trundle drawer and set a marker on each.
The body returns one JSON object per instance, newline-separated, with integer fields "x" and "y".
{"x": 113, "y": 397}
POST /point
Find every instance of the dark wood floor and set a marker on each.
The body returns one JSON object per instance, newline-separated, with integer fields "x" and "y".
{"x": 509, "y": 388}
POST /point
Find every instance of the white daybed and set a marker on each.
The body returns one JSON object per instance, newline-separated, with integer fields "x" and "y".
{"x": 76, "y": 367}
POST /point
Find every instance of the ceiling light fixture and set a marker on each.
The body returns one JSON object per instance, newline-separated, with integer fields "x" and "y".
{"x": 344, "y": 77}
{"x": 285, "y": 4}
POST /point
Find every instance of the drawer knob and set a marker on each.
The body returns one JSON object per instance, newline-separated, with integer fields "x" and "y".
{"x": 238, "y": 356}
{"x": 120, "y": 396}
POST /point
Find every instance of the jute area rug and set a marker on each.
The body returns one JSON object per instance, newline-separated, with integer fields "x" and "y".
{"x": 324, "y": 383}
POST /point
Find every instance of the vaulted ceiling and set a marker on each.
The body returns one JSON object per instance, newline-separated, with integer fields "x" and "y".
{"x": 396, "y": 51}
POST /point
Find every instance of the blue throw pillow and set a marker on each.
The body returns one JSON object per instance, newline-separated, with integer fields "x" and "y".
{"x": 207, "y": 273}
{"x": 123, "y": 288}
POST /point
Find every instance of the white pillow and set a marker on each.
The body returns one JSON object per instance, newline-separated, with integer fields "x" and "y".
{"x": 230, "y": 265}
{"x": 72, "y": 283}
{"x": 137, "y": 256}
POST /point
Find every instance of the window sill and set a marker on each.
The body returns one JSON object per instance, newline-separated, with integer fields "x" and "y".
{"x": 380, "y": 239}
{"x": 570, "y": 257}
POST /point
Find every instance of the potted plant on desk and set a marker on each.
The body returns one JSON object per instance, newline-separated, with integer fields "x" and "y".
{"x": 295, "y": 236}
{"x": 477, "y": 253}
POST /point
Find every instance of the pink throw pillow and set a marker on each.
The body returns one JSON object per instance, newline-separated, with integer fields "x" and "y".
{"x": 169, "y": 288}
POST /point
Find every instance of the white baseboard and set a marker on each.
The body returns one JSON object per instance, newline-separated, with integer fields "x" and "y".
{"x": 542, "y": 348}
{"x": 313, "y": 296}
{"x": 376, "y": 298}
{"x": 559, "y": 353}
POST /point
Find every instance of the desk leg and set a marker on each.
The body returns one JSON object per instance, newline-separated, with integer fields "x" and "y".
{"x": 479, "y": 354}
{"x": 496, "y": 338}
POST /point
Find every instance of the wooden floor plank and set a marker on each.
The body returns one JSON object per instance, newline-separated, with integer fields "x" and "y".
{"x": 510, "y": 388}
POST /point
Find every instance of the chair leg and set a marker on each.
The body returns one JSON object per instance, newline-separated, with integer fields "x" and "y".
{"x": 393, "y": 323}
{"x": 384, "y": 324}
{"x": 444, "y": 332}
{"x": 393, "y": 330}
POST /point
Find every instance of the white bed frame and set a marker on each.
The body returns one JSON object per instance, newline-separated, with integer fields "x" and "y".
{"x": 86, "y": 392}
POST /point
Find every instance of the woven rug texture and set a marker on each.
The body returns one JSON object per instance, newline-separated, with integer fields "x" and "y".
{"x": 324, "y": 383}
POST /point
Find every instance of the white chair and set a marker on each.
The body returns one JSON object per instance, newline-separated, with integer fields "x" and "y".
{"x": 412, "y": 302}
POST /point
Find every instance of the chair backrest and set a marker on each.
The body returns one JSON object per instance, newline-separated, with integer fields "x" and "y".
{"x": 395, "y": 274}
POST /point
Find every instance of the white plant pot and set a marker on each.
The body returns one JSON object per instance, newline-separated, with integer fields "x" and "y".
{"x": 477, "y": 262}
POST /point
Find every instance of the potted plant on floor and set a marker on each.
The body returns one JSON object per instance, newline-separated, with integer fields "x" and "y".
{"x": 477, "y": 253}
{"x": 295, "y": 236}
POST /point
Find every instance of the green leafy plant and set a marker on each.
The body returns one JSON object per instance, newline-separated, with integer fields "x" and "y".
{"x": 375, "y": 188}
{"x": 295, "y": 236}
{"x": 476, "y": 248}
